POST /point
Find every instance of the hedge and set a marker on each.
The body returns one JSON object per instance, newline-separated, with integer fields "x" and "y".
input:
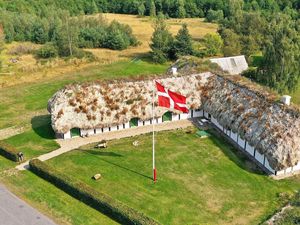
{"x": 81, "y": 191}
{"x": 9, "y": 151}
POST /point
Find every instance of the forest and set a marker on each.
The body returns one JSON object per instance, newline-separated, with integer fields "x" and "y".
{"x": 266, "y": 31}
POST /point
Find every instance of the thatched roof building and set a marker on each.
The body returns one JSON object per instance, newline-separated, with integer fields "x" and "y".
{"x": 272, "y": 128}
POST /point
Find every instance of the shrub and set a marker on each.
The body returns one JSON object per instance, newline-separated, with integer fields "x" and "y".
{"x": 99, "y": 201}
{"x": 9, "y": 151}
{"x": 22, "y": 49}
{"x": 47, "y": 51}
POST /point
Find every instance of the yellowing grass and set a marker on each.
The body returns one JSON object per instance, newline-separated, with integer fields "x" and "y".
{"x": 143, "y": 28}
{"x": 29, "y": 69}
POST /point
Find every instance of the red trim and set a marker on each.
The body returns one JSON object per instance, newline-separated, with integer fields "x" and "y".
{"x": 154, "y": 174}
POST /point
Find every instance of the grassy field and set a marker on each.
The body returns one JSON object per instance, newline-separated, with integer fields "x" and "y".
{"x": 29, "y": 69}
{"x": 296, "y": 96}
{"x": 200, "y": 181}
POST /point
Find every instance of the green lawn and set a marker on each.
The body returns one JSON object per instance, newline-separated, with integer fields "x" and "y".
{"x": 53, "y": 202}
{"x": 19, "y": 104}
{"x": 36, "y": 141}
{"x": 296, "y": 96}
{"x": 200, "y": 181}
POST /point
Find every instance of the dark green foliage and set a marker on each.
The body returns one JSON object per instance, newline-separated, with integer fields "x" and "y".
{"x": 183, "y": 42}
{"x": 101, "y": 202}
{"x": 281, "y": 62}
{"x": 9, "y": 151}
{"x": 214, "y": 15}
{"x": 162, "y": 42}
{"x": 47, "y": 51}
{"x": 232, "y": 45}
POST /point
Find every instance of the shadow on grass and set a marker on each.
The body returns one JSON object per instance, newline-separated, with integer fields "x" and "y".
{"x": 117, "y": 165}
{"x": 234, "y": 154}
{"x": 95, "y": 152}
{"x": 41, "y": 125}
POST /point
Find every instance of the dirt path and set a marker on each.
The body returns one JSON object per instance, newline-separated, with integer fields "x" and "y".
{"x": 70, "y": 144}
{"x": 9, "y": 132}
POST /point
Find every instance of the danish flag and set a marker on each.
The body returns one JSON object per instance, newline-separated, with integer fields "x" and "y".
{"x": 170, "y": 99}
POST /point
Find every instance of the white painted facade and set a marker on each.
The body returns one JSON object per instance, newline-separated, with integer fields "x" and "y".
{"x": 259, "y": 157}
{"x": 250, "y": 149}
{"x": 241, "y": 142}
{"x": 175, "y": 117}
{"x": 67, "y": 135}
{"x": 88, "y": 132}
{"x": 98, "y": 131}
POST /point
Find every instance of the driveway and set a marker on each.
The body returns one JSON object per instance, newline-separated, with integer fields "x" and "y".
{"x": 14, "y": 211}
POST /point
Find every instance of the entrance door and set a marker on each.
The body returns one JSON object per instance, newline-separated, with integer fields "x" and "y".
{"x": 134, "y": 122}
{"x": 75, "y": 132}
{"x": 167, "y": 117}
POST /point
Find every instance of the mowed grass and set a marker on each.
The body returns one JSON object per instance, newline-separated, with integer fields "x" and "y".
{"x": 200, "y": 181}
{"x": 296, "y": 95}
{"x": 51, "y": 201}
{"x": 36, "y": 141}
{"x": 21, "y": 103}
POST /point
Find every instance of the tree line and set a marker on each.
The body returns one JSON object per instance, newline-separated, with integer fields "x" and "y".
{"x": 65, "y": 35}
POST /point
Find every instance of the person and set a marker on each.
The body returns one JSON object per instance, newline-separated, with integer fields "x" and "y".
{"x": 21, "y": 156}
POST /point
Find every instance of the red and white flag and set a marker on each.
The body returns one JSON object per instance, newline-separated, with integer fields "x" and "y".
{"x": 170, "y": 99}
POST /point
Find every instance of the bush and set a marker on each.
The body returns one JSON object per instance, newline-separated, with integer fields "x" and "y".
{"x": 99, "y": 201}
{"x": 9, "y": 151}
{"x": 214, "y": 15}
{"x": 47, "y": 51}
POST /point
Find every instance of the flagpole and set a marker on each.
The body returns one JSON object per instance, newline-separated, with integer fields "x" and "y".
{"x": 153, "y": 141}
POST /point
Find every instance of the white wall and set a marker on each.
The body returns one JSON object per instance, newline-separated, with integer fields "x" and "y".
{"x": 267, "y": 165}
{"x": 233, "y": 136}
{"x": 113, "y": 128}
{"x": 249, "y": 149}
{"x": 175, "y": 117}
{"x": 98, "y": 131}
{"x": 185, "y": 116}
{"x": 87, "y": 132}
{"x": 206, "y": 115}
{"x": 105, "y": 129}
{"x": 158, "y": 120}
{"x": 67, "y": 135}
{"x": 289, "y": 170}
{"x": 140, "y": 123}
{"x": 259, "y": 157}
{"x": 241, "y": 142}
{"x": 147, "y": 122}
{"x": 197, "y": 113}
{"x": 127, "y": 125}
{"x": 281, "y": 172}
{"x": 297, "y": 167}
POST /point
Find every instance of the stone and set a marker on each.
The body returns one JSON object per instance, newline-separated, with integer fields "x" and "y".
{"x": 97, "y": 176}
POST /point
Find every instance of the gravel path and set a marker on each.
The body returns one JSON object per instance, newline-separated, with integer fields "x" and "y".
{"x": 14, "y": 211}
{"x": 70, "y": 144}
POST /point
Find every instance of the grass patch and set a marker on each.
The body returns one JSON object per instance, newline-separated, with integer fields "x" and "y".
{"x": 36, "y": 141}
{"x": 53, "y": 202}
{"x": 199, "y": 180}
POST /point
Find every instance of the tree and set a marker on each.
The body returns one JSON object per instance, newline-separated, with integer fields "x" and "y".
{"x": 141, "y": 9}
{"x": 280, "y": 68}
{"x": 162, "y": 41}
{"x": 152, "y": 10}
{"x": 232, "y": 45}
{"x": 180, "y": 13}
{"x": 213, "y": 44}
{"x": 214, "y": 15}
{"x": 183, "y": 42}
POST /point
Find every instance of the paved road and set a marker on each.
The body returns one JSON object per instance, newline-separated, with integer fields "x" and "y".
{"x": 14, "y": 211}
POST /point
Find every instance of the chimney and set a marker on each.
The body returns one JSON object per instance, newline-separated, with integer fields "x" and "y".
{"x": 174, "y": 71}
{"x": 286, "y": 99}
